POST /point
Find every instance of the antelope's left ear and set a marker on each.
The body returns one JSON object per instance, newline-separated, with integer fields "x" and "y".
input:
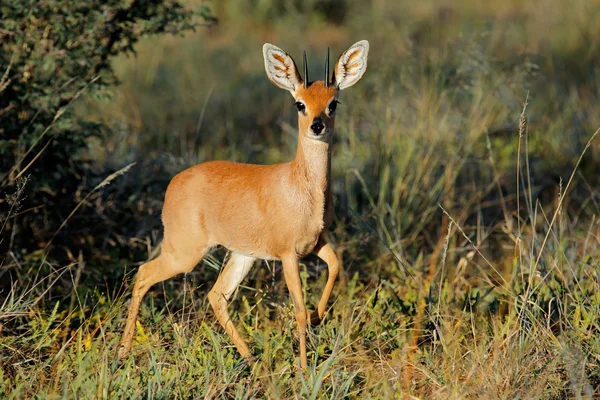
{"x": 351, "y": 65}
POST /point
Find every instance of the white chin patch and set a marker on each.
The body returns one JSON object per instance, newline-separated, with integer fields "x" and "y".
{"x": 321, "y": 136}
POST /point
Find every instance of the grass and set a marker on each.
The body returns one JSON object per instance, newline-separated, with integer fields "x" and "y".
{"x": 361, "y": 349}
{"x": 464, "y": 171}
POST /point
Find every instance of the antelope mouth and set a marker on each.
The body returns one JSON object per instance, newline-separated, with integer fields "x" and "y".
{"x": 323, "y": 136}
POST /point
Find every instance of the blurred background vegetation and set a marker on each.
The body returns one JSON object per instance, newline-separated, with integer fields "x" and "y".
{"x": 455, "y": 167}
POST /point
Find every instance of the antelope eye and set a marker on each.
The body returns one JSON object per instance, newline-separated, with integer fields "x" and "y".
{"x": 332, "y": 107}
{"x": 301, "y": 107}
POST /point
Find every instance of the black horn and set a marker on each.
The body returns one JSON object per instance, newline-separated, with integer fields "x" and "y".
{"x": 305, "y": 71}
{"x": 327, "y": 69}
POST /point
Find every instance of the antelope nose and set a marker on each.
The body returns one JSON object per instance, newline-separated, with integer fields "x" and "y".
{"x": 317, "y": 126}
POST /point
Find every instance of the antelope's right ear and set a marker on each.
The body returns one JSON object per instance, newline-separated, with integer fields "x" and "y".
{"x": 281, "y": 68}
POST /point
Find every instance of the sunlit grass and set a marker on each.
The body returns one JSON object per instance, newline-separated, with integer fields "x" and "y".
{"x": 361, "y": 349}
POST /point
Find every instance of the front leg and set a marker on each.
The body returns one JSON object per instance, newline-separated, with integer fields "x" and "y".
{"x": 325, "y": 252}
{"x": 294, "y": 284}
{"x": 236, "y": 269}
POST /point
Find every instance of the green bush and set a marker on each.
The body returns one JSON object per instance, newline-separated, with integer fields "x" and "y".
{"x": 51, "y": 53}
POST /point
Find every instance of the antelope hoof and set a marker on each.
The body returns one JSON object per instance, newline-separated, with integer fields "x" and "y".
{"x": 122, "y": 352}
{"x": 248, "y": 361}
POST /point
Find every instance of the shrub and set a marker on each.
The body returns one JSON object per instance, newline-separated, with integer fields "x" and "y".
{"x": 51, "y": 53}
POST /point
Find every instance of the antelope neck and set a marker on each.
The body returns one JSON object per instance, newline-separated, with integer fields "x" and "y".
{"x": 313, "y": 162}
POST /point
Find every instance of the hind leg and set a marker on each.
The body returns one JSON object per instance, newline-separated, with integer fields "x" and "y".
{"x": 236, "y": 269}
{"x": 161, "y": 268}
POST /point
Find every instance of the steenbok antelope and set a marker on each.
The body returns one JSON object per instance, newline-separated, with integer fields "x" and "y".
{"x": 271, "y": 212}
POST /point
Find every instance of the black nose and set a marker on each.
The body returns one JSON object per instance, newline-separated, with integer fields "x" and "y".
{"x": 317, "y": 126}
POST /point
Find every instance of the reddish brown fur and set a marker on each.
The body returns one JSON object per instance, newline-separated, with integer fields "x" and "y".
{"x": 256, "y": 211}
{"x": 262, "y": 211}
{"x": 246, "y": 207}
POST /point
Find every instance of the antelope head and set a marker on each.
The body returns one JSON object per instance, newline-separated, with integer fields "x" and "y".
{"x": 316, "y": 101}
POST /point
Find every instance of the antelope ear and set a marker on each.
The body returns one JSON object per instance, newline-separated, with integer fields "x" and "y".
{"x": 351, "y": 65}
{"x": 281, "y": 68}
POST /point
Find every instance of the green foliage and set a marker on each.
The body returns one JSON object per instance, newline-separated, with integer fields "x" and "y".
{"x": 51, "y": 53}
